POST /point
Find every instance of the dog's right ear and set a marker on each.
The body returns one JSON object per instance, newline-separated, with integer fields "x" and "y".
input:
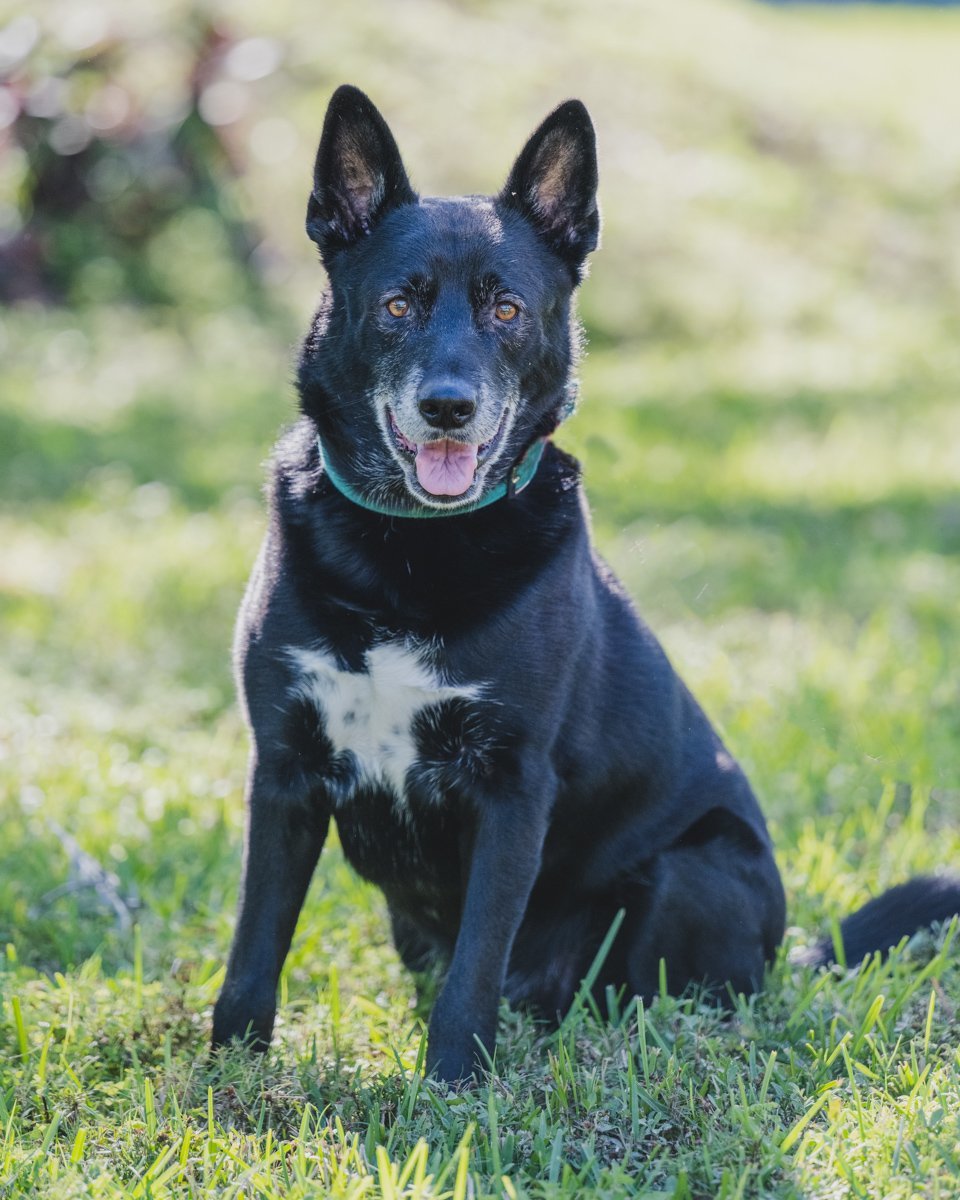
{"x": 358, "y": 176}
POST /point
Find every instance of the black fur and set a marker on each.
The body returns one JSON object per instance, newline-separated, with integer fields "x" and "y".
{"x": 886, "y": 919}
{"x": 557, "y": 770}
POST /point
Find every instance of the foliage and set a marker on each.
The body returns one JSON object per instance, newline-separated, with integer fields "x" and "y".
{"x": 114, "y": 190}
{"x": 770, "y": 441}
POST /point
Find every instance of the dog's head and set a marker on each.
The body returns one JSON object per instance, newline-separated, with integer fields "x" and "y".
{"x": 445, "y": 343}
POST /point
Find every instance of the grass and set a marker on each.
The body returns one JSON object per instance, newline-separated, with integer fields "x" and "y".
{"x": 770, "y": 439}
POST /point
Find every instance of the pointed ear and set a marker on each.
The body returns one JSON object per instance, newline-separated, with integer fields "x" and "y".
{"x": 358, "y": 176}
{"x": 554, "y": 183}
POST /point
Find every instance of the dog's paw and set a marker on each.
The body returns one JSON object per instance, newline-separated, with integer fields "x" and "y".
{"x": 455, "y": 1068}
{"x": 236, "y": 1020}
{"x": 459, "y": 1061}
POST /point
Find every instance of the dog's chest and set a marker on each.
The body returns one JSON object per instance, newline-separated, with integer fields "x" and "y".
{"x": 395, "y": 724}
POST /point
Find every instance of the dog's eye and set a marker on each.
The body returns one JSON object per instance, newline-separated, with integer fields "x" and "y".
{"x": 398, "y": 307}
{"x": 506, "y": 311}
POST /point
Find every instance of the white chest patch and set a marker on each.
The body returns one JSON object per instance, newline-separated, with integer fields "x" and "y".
{"x": 370, "y": 713}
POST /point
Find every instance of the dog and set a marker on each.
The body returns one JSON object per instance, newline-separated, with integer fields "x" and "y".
{"x": 431, "y": 654}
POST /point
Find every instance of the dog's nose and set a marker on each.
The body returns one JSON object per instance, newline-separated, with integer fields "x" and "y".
{"x": 445, "y": 413}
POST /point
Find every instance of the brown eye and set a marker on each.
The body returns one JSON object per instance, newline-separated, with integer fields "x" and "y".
{"x": 398, "y": 307}
{"x": 506, "y": 311}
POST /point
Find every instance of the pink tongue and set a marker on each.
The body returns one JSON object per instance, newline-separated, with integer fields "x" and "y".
{"x": 446, "y": 468}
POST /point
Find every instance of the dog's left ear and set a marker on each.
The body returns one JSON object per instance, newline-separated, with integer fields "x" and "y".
{"x": 358, "y": 176}
{"x": 554, "y": 183}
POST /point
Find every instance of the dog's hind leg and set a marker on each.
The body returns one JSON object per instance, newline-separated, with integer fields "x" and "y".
{"x": 417, "y": 953}
{"x": 711, "y": 907}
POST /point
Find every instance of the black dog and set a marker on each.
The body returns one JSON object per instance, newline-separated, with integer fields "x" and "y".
{"x": 431, "y": 653}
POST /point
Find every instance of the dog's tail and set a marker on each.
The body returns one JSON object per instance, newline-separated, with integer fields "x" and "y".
{"x": 883, "y": 921}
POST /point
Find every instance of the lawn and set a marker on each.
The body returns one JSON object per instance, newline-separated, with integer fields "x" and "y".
{"x": 770, "y": 436}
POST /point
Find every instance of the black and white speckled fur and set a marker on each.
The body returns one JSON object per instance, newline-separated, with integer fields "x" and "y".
{"x": 503, "y": 745}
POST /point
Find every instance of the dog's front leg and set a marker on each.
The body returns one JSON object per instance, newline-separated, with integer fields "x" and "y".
{"x": 503, "y": 864}
{"x": 283, "y": 843}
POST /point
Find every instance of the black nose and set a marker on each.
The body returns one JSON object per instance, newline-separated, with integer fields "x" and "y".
{"x": 446, "y": 414}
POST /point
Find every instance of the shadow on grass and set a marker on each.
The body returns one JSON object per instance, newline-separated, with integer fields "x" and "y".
{"x": 52, "y": 462}
{"x": 711, "y": 418}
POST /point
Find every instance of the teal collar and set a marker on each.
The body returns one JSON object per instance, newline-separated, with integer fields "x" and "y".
{"x": 521, "y": 473}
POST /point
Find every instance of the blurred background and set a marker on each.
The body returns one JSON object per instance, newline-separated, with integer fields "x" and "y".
{"x": 769, "y": 421}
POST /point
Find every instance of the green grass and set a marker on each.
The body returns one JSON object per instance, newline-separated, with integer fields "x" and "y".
{"x": 770, "y": 437}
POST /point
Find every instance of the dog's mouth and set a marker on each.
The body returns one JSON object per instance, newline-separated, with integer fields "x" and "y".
{"x": 447, "y": 466}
